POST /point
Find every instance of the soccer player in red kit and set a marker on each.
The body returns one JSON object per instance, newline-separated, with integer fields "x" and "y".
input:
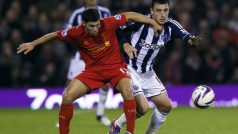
{"x": 99, "y": 48}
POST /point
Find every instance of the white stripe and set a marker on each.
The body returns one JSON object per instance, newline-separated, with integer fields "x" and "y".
{"x": 185, "y": 36}
{"x": 134, "y": 39}
{"x": 135, "y": 36}
{"x": 177, "y": 24}
{"x": 101, "y": 8}
{"x": 144, "y": 50}
{"x": 72, "y": 17}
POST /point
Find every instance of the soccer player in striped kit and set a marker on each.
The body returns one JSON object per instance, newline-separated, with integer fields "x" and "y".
{"x": 143, "y": 46}
{"x": 77, "y": 65}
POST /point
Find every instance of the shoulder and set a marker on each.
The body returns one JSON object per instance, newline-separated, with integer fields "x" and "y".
{"x": 77, "y": 30}
{"x": 172, "y": 22}
{"x": 78, "y": 11}
{"x": 102, "y": 8}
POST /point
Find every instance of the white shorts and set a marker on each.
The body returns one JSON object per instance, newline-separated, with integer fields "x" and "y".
{"x": 147, "y": 83}
{"x": 76, "y": 66}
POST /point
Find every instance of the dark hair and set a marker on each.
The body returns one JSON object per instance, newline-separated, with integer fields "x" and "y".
{"x": 159, "y": 1}
{"x": 90, "y": 14}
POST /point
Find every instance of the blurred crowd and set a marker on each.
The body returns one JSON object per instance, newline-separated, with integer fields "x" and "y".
{"x": 215, "y": 60}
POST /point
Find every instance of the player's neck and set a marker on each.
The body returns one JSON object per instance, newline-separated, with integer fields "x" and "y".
{"x": 91, "y": 6}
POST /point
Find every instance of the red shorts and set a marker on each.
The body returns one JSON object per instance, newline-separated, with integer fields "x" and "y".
{"x": 96, "y": 78}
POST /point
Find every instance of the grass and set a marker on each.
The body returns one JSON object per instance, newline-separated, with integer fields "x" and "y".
{"x": 182, "y": 120}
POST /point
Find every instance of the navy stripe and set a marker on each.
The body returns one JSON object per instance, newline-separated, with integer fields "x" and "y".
{"x": 148, "y": 55}
{"x": 166, "y": 34}
{"x": 143, "y": 35}
{"x": 75, "y": 21}
{"x": 104, "y": 14}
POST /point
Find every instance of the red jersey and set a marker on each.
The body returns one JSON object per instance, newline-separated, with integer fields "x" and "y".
{"x": 100, "y": 50}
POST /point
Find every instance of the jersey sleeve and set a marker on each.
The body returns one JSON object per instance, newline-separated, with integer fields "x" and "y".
{"x": 178, "y": 31}
{"x": 131, "y": 25}
{"x": 113, "y": 22}
{"x": 68, "y": 35}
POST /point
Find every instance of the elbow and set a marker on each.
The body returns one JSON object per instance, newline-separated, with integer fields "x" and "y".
{"x": 128, "y": 15}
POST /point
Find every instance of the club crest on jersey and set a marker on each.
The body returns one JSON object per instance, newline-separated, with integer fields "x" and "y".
{"x": 64, "y": 32}
{"x": 164, "y": 37}
{"x": 107, "y": 43}
{"x": 117, "y": 17}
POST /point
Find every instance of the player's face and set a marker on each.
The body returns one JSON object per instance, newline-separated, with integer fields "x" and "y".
{"x": 160, "y": 12}
{"x": 90, "y": 3}
{"x": 92, "y": 28}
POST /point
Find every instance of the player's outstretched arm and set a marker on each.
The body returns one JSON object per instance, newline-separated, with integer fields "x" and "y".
{"x": 143, "y": 19}
{"x": 27, "y": 47}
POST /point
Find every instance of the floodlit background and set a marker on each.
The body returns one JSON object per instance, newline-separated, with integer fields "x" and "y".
{"x": 30, "y": 84}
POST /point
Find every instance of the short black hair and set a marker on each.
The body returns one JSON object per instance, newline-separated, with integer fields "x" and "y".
{"x": 90, "y": 14}
{"x": 159, "y": 1}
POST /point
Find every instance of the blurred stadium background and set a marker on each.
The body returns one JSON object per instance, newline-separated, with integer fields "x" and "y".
{"x": 179, "y": 66}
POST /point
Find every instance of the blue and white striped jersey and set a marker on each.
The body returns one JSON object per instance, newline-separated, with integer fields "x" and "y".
{"x": 148, "y": 44}
{"x": 76, "y": 17}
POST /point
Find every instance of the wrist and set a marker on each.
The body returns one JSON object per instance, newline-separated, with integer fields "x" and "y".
{"x": 33, "y": 44}
{"x": 126, "y": 44}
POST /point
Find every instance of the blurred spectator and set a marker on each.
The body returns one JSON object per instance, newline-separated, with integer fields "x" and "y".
{"x": 193, "y": 68}
{"x": 216, "y": 70}
{"x": 25, "y": 75}
{"x": 172, "y": 68}
{"x": 213, "y": 61}
{"x": 234, "y": 78}
{"x": 6, "y": 66}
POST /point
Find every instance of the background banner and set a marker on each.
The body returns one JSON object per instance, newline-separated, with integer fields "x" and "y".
{"x": 48, "y": 98}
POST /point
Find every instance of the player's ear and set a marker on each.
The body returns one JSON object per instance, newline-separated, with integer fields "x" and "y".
{"x": 151, "y": 11}
{"x": 83, "y": 22}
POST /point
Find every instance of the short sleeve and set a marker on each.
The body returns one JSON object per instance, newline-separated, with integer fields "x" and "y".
{"x": 131, "y": 25}
{"x": 113, "y": 22}
{"x": 68, "y": 34}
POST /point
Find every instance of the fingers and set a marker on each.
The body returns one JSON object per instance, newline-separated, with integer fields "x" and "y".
{"x": 23, "y": 47}
{"x": 20, "y": 49}
{"x": 28, "y": 50}
{"x": 131, "y": 52}
{"x": 135, "y": 53}
{"x": 195, "y": 40}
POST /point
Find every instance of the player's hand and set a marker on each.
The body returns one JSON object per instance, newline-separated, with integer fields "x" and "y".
{"x": 194, "y": 40}
{"x": 157, "y": 28}
{"x": 25, "y": 47}
{"x": 130, "y": 50}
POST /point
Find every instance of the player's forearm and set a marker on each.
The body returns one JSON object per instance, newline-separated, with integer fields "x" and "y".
{"x": 44, "y": 38}
{"x": 139, "y": 18}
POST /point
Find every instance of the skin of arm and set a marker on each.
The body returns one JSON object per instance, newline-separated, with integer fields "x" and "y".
{"x": 143, "y": 19}
{"x": 27, "y": 47}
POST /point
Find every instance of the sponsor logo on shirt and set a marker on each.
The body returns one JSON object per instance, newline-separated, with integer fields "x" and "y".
{"x": 150, "y": 46}
{"x": 64, "y": 32}
{"x": 117, "y": 17}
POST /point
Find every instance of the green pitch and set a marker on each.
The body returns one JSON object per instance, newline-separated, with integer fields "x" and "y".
{"x": 181, "y": 120}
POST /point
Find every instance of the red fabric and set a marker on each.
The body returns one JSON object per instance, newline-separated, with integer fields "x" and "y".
{"x": 65, "y": 115}
{"x": 96, "y": 78}
{"x": 130, "y": 112}
{"x": 99, "y": 50}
